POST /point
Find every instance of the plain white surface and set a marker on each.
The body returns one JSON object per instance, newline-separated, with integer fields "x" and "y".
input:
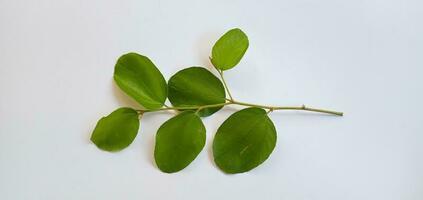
{"x": 360, "y": 57}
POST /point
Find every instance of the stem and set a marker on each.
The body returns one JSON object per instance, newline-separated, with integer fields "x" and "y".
{"x": 232, "y": 102}
{"x": 303, "y": 107}
{"x": 224, "y": 84}
{"x": 223, "y": 80}
{"x": 184, "y": 107}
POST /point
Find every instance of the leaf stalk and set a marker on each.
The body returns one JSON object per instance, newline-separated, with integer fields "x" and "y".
{"x": 225, "y": 84}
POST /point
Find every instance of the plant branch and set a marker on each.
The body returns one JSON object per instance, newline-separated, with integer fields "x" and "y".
{"x": 232, "y": 102}
{"x": 303, "y": 107}
{"x": 183, "y": 107}
{"x": 225, "y": 84}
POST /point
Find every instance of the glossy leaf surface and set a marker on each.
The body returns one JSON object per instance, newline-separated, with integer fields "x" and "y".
{"x": 196, "y": 86}
{"x": 178, "y": 142}
{"x": 229, "y": 49}
{"x": 244, "y": 141}
{"x": 138, "y": 77}
{"x": 117, "y": 130}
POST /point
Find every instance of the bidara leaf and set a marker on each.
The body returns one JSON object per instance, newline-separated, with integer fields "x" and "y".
{"x": 244, "y": 141}
{"x": 229, "y": 49}
{"x": 178, "y": 141}
{"x": 138, "y": 77}
{"x": 117, "y": 130}
{"x": 196, "y": 86}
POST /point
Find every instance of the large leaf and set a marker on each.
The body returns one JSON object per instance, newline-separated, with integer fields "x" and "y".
{"x": 138, "y": 77}
{"x": 229, "y": 49}
{"x": 178, "y": 142}
{"x": 196, "y": 86}
{"x": 244, "y": 141}
{"x": 117, "y": 130}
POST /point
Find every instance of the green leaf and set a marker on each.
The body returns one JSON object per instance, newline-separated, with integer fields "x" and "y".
{"x": 138, "y": 77}
{"x": 117, "y": 130}
{"x": 244, "y": 141}
{"x": 178, "y": 142}
{"x": 229, "y": 49}
{"x": 196, "y": 86}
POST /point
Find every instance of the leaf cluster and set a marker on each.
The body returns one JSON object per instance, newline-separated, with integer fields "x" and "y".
{"x": 244, "y": 140}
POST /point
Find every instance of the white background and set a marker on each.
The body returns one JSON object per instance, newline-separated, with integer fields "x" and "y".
{"x": 362, "y": 57}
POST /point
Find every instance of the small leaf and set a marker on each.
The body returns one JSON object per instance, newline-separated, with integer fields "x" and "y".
{"x": 117, "y": 130}
{"x": 138, "y": 77}
{"x": 244, "y": 141}
{"x": 196, "y": 86}
{"x": 178, "y": 142}
{"x": 229, "y": 49}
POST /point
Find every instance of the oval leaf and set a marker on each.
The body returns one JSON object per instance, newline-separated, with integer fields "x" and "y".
{"x": 117, "y": 130}
{"x": 196, "y": 86}
{"x": 178, "y": 142}
{"x": 229, "y": 49}
{"x": 244, "y": 141}
{"x": 138, "y": 77}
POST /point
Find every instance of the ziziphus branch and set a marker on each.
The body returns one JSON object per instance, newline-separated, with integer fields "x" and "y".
{"x": 231, "y": 101}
